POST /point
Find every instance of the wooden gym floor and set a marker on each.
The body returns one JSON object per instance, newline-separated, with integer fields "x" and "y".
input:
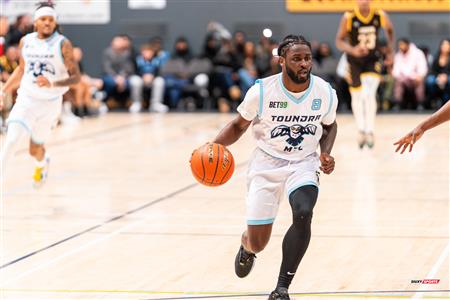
{"x": 121, "y": 217}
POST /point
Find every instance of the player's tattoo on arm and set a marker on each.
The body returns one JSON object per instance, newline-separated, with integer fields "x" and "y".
{"x": 328, "y": 137}
{"x": 71, "y": 65}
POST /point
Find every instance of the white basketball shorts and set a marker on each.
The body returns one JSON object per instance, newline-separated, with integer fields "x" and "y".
{"x": 37, "y": 116}
{"x": 270, "y": 178}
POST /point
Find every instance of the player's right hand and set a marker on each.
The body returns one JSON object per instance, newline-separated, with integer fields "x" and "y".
{"x": 42, "y": 81}
{"x": 409, "y": 140}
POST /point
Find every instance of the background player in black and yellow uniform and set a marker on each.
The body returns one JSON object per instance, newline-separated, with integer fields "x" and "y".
{"x": 358, "y": 36}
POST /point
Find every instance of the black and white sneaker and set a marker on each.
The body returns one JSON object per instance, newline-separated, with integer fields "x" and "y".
{"x": 244, "y": 262}
{"x": 279, "y": 294}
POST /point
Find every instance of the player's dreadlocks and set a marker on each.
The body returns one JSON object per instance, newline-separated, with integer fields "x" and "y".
{"x": 291, "y": 40}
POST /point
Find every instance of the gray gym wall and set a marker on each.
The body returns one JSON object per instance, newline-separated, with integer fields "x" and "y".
{"x": 190, "y": 17}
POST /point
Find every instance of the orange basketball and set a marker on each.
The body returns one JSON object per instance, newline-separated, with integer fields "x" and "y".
{"x": 212, "y": 164}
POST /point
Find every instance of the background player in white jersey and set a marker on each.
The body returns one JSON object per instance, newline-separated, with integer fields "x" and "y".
{"x": 291, "y": 113}
{"x": 358, "y": 37}
{"x": 439, "y": 117}
{"x": 45, "y": 72}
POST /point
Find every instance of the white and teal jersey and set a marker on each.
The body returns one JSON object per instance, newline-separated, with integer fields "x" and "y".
{"x": 43, "y": 57}
{"x": 289, "y": 125}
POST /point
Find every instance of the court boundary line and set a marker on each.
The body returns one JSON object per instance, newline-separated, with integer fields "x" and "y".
{"x": 86, "y": 137}
{"x": 150, "y": 233}
{"x": 182, "y": 190}
{"x": 103, "y": 238}
{"x": 219, "y": 294}
{"x": 115, "y": 218}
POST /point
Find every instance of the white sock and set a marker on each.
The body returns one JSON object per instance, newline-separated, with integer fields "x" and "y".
{"x": 370, "y": 86}
{"x": 358, "y": 108}
{"x": 40, "y": 163}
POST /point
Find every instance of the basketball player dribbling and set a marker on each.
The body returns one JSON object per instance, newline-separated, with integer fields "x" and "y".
{"x": 439, "y": 117}
{"x": 358, "y": 37}
{"x": 291, "y": 113}
{"x": 46, "y": 70}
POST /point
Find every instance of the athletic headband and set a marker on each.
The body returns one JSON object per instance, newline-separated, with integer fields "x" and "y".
{"x": 44, "y": 11}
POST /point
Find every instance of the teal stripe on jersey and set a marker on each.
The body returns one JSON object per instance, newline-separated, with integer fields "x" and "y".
{"x": 261, "y": 96}
{"x": 331, "y": 100}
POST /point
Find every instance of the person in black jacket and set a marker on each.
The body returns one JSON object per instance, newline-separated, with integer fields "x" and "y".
{"x": 438, "y": 81}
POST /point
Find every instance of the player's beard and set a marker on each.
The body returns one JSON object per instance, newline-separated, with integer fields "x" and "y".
{"x": 295, "y": 78}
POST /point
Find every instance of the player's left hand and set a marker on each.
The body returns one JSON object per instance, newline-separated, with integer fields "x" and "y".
{"x": 41, "y": 81}
{"x": 326, "y": 163}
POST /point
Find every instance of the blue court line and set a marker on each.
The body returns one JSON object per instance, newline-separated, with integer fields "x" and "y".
{"x": 118, "y": 217}
{"x": 168, "y": 196}
{"x": 85, "y": 137}
{"x": 351, "y": 294}
{"x": 229, "y": 294}
{"x": 342, "y": 236}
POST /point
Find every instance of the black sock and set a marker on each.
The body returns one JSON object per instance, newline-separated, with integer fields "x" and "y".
{"x": 297, "y": 238}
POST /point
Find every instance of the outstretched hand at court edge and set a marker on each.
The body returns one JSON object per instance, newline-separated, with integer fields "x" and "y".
{"x": 439, "y": 117}
{"x": 409, "y": 140}
{"x": 326, "y": 163}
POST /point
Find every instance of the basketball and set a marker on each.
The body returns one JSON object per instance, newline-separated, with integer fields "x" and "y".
{"x": 212, "y": 164}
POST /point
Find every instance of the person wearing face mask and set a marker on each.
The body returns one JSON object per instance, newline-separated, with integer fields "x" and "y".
{"x": 119, "y": 73}
{"x": 184, "y": 74}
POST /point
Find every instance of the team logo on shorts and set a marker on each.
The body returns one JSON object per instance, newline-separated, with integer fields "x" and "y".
{"x": 295, "y": 133}
{"x": 39, "y": 67}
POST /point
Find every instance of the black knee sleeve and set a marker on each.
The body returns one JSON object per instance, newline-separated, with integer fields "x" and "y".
{"x": 302, "y": 202}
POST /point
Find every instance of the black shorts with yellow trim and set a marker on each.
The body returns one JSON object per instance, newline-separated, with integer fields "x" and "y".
{"x": 360, "y": 68}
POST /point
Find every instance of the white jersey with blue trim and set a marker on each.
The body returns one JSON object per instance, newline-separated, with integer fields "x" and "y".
{"x": 43, "y": 57}
{"x": 289, "y": 125}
